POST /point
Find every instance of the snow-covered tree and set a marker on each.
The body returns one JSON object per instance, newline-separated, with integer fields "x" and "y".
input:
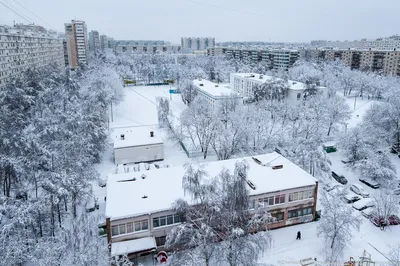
{"x": 386, "y": 204}
{"x": 188, "y": 91}
{"x": 273, "y": 89}
{"x": 337, "y": 225}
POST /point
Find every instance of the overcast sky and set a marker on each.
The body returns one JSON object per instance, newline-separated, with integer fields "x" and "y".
{"x": 226, "y": 20}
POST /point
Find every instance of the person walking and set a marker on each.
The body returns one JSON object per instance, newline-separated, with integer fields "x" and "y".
{"x": 298, "y": 236}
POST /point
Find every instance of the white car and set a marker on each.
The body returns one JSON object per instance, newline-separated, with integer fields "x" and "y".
{"x": 370, "y": 182}
{"x": 330, "y": 186}
{"x": 368, "y": 212}
{"x": 364, "y": 203}
{"x": 351, "y": 197}
{"x": 359, "y": 190}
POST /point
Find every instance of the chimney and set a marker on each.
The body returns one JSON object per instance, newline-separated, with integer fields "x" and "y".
{"x": 151, "y": 134}
{"x": 122, "y": 136}
{"x": 143, "y": 176}
{"x": 261, "y": 76}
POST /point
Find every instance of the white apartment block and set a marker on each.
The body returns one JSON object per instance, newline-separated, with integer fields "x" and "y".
{"x": 23, "y": 47}
{"x": 103, "y": 42}
{"x": 212, "y": 93}
{"x": 77, "y": 44}
{"x": 94, "y": 41}
{"x": 244, "y": 83}
{"x": 139, "y": 211}
{"x": 380, "y": 44}
{"x": 197, "y": 43}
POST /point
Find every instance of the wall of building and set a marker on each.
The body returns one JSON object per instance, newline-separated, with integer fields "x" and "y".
{"x": 137, "y": 154}
{"x": 21, "y": 50}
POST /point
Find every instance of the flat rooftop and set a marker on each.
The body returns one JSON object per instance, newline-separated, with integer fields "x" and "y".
{"x": 162, "y": 187}
{"x": 259, "y": 78}
{"x": 134, "y": 136}
{"x": 214, "y": 89}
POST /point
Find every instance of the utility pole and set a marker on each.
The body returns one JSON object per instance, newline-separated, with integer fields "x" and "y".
{"x": 112, "y": 116}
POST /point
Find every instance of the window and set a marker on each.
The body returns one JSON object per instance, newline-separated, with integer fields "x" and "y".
{"x": 129, "y": 227}
{"x": 271, "y": 201}
{"x": 170, "y": 219}
{"x": 278, "y": 216}
{"x": 156, "y": 222}
{"x": 279, "y": 199}
{"x": 137, "y": 226}
{"x": 163, "y": 221}
{"x": 301, "y": 195}
{"x": 299, "y": 212}
{"x": 160, "y": 241}
{"x": 114, "y": 230}
{"x": 122, "y": 229}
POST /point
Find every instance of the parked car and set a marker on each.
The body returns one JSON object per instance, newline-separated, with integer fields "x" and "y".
{"x": 341, "y": 179}
{"x": 370, "y": 182}
{"x": 330, "y": 186}
{"x": 368, "y": 212}
{"x": 356, "y": 188}
{"x": 364, "y": 203}
{"x": 380, "y": 221}
{"x": 351, "y": 197}
{"x": 396, "y": 192}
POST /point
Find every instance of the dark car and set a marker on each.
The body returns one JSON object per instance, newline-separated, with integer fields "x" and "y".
{"x": 370, "y": 182}
{"x": 341, "y": 179}
{"x": 380, "y": 221}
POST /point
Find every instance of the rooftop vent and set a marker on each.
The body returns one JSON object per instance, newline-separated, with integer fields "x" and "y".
{"x": 201, "y": 85}
{"x": 252, "y": 76}
{"x": 261, "y": 76}
{"x": 144, "y": 197}
{"x": 122, "y": 136}
{"x": 276, "y": 167}
{"x": 216, "y": 85}
{"x": 143, "y": 176}
{"x": 151, "y": 134}
{"x": 128, "y": 180}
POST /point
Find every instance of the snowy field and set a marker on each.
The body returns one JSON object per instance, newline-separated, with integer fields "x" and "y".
{"x": 139, "y": 109}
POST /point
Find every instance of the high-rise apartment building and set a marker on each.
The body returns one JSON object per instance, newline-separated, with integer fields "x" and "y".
{"x": 94, "y": 41}
{"x": 103, "y": 42}
{"x": 77, "y": 46}
{"x": 380, "y": 44}
{"x": 197, "y": 43}
{"x": 387, "y": 62}
{"x": 27, "y": 46}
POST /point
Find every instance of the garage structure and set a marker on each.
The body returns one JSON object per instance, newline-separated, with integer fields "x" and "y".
{"x": 137, "y": 144}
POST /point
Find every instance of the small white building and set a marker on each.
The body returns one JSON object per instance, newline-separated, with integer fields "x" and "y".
{"x": 137, "y": 144}
{"x": 243, "y": 83}
{"x": 213, "y": 93}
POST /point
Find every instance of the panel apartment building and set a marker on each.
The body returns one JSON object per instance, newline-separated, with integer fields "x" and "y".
{"x": 380, "y": 44}
{"x": 139, "y": 211}
{"x": 132, "y": 48}
{"x": 77, "y": 43}
{"x": 387, "y": 62}
{"x": 197, "y": 43}
{"x": 276, "y": 58}
{"x": 94, "y": 41}
{"x": 27, "y": 46}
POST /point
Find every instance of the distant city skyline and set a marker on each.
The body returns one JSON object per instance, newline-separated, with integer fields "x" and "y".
{"x": 257, "y": 20}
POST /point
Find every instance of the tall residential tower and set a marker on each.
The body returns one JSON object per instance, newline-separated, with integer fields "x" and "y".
{"x": 77, "y": 46}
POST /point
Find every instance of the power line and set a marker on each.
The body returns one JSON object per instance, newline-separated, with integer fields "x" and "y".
{"x": 16, "y": 12}
{"x": 33, "y": 14}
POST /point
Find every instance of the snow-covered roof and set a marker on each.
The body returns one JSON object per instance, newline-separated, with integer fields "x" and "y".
{"x": 133, "y": 246}
{"x": 162, "y": 187}
{"x": 259, "y": 78}
{"x": 214, "y": 89}
{"x": 134, "y": 136}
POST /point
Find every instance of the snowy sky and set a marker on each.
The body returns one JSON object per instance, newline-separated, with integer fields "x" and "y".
{"x": 226, "y": 20}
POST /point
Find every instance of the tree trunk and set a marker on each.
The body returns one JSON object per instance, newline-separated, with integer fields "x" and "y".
{"x": 59, "y": 214}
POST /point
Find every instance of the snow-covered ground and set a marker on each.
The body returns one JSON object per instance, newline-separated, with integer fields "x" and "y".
{"x": 139, "y": 109}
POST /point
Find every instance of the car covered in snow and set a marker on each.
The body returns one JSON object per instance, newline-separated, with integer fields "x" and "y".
{"x": 380, "y": 221}
{"x": 341, "y": 179}
{"x": 330, "y": 186}
{"x": 396, "y": 192}
{"x": 351, "y": 197}
{"x": 364, "y": 203}
{"x": 359, "y": 190}
{"x": 368, "y": 212}
{"x": 370, "y": 182}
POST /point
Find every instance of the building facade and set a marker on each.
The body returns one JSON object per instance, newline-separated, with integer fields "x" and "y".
{"x": 213, "y": 93}
{"x": 387, "y": 62}
{"x": 290, "y": 196}
{"x": 274, "y": 58}
{"x": 197, "y": 43}
{"x": 147, "y": 48}
{"x": 103, "y": 42}
{"x": 77, "y": 44}
{"x": 94, "y": 41}
{"x": 27, "y": 46}
{"x": 380, "y": 44}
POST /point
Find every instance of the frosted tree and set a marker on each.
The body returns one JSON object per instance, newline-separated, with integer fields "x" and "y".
{"x": 394, "y": 254}
{"x": 386, "y": 204}
{"x": 336, "y": 226}
{"x": 338, "y": 112}
{"x": 273, "y": 89}
{"x": 188, "y": 91}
